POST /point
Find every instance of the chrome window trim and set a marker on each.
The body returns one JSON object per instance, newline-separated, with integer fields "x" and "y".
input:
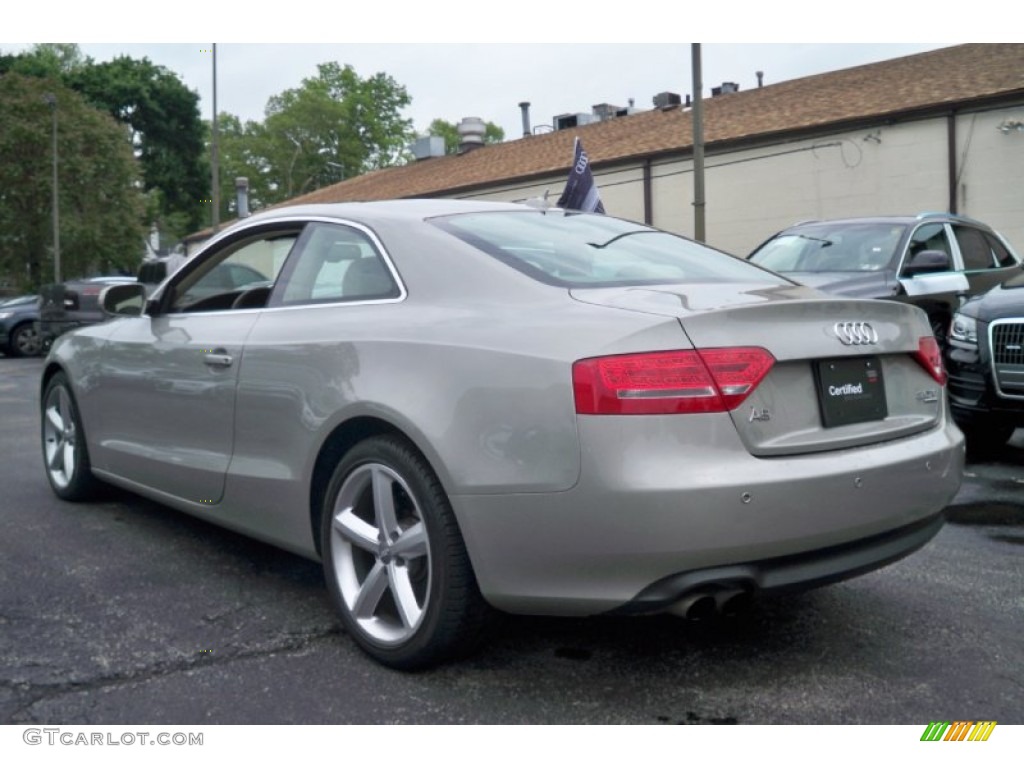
{"x": 365, "y": 230}
{"x": 992, "y": 356}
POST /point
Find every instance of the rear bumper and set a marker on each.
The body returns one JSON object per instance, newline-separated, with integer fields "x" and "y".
{"x": 801, "y": 571}
{"x": 659, "y": 510}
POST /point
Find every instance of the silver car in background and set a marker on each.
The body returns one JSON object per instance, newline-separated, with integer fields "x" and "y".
{"x": 462, "y": 406}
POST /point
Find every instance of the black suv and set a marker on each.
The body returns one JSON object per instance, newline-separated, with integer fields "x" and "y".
{"x": 932, "y": 260}
{"x": 985, "y": 362}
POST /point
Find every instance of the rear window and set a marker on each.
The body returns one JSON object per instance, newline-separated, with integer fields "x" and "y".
{"x": 586, "y": 250}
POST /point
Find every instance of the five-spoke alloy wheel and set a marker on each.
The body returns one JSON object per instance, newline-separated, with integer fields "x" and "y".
{"x": 64, "y": 451}
{"x": 394, "y": 558}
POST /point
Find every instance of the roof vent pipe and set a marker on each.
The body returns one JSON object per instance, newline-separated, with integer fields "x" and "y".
{"x": 524, "y": 107}
{"x": 242, "y": 196}
{"x": 760, "y": 78}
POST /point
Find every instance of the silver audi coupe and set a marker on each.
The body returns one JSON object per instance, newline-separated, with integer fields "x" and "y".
{"x": 460, "y": 406}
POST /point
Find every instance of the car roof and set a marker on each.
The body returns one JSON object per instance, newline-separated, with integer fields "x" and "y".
{"x": 410, "y": 210}
{"x": 904, "y": 219}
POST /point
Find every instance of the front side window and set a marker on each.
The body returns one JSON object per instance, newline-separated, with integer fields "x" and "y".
{"x": 248, "y": 264}
{"x": 929, "y": 237}
{"x": 584, "y": 250}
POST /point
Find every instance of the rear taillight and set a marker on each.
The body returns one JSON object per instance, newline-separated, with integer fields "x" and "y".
{"x": 691, "y": 381}
{"x": 930, "y": 357}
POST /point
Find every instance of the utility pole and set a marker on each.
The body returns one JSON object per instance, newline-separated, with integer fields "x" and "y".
{"x": 698, "y": 145}
{"x": 215, "y": 150}
{"x": 50, "y": 99}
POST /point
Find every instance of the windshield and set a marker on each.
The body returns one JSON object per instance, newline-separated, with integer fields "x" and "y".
{"x": 586, "y": 250}
{"x": 833, "y": 247}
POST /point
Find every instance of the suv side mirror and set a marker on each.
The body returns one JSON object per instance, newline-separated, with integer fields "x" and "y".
{"x": 926, "y": 262}
{"x": 124, "y": 299}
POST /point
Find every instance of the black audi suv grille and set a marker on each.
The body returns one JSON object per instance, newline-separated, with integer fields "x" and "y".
{"x": 1008, "y": 356}
{"x": 1008, "y": 343}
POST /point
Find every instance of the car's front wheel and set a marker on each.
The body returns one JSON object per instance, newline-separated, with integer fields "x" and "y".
{"x": 64, "y": 451}
{"x": 394, "y": 558}
{"x": 26, "y": 341}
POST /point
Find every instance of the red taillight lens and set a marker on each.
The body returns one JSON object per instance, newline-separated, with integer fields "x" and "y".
{"x": 930, "y": 357}
{"x": 692, "y": 381}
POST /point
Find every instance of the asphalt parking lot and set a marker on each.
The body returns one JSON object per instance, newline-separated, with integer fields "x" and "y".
{"x": 126, "y": 612}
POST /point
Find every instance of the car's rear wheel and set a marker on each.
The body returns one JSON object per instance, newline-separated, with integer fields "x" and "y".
{"x": 64, "y": 451}
{"x": 25, "y": 341}
{"x": 394, "y": 558}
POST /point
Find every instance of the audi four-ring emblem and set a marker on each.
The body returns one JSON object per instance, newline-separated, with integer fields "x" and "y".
{"x": 854, "y": 333}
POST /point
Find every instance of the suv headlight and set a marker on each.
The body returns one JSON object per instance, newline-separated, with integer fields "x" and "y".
{"x": 964, "y": 329}
{"x": 5, "y": 315}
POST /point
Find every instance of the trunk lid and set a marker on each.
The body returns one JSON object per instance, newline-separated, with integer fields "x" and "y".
{"x": 836, "y": 383}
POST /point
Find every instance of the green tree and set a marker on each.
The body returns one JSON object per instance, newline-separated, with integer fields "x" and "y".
{"x": 242, "y": 149}
{"x": 162, "y": 113}
{"x": 493, "y": 134}
{"x": 101, "y": 204}
{"x": 334, "y": 126}
{"x": 166, "y": 130}
{"x": 55, "y": 60}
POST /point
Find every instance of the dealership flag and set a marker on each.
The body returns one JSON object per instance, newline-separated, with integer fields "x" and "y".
{"x": 580, "y": 191}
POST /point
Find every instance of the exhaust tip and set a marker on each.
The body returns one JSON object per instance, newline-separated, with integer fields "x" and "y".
{"x": 697, "y": 607}
{"x": 734, "y": 603}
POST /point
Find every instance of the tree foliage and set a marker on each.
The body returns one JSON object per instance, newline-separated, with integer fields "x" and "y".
{"x": 166, "y": 130}
{"x": 162, "y": 113}
{"x": 334, "y": 126}
{"x": 53, "y": 60}
{"x": 493, "y": 134}
{"x": 101, "y": 205}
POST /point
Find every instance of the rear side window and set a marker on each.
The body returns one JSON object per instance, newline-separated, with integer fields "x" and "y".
{"x": 585, "y": 250}
{"x": 975, "y": 248}
{"x": 1003, "y": 255}
{"x": 335, "y": 263}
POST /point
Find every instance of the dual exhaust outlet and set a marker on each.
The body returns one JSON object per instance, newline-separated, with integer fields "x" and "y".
{"x": 707, "y": 602}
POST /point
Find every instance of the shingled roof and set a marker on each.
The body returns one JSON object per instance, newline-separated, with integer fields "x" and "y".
{"x": 924, "y": 83}
{"x": 920, "y": 83}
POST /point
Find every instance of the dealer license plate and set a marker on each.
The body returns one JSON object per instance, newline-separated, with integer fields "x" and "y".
{"x": 850, "y": 390}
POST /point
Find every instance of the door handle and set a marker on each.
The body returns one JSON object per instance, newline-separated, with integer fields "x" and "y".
{"x": 218, "y": 359}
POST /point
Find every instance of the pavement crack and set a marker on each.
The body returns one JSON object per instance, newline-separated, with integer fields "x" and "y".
{"x": 31, "y": 694}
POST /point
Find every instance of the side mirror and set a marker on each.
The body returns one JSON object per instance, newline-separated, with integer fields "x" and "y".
{"x": 927, "y": 262}
{"x": 124, "y": 299}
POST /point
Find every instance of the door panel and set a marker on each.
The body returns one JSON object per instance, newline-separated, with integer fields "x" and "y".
{"x": 167, "y": 401}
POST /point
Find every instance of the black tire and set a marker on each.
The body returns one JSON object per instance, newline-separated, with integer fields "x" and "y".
{"x": 25, "y": 341}
{"x": 987, "y": 439}
{"x": 408, "y": 596}
{"x": 65, "y": 455}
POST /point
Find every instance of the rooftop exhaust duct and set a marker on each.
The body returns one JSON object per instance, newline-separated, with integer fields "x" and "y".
{"x": 242, "y": 196}
{"x": 471, "y": 134}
